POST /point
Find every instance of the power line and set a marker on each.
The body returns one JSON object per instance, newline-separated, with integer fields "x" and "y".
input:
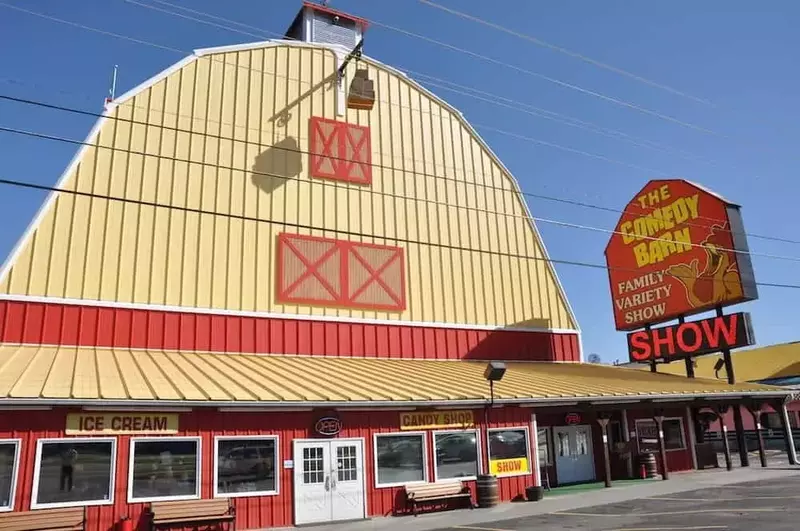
{"x": 224, "y": 63}
{"x": 303, "y": 226}
{"x": 322, "y": 183}
{"x": 564, "y": 84}
{"x": 139, "y": 41}
{"x": 483, "y": 58}
{"x": 492, "y": 98}
{"x": 576, "y": 55}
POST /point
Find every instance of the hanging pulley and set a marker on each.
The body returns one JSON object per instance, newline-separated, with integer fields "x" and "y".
{"x": 362, "y": 91}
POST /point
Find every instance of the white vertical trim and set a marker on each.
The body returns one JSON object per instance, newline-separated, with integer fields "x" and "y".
{"x": 341, "y": 84}
{"x": 67, "y": 440}
{"x": 277, "y": 467}
{"x": 198, "y": 469}
{"x": 692, "y": 436}
{"x": 12, "y": 495}
{"x": 537, "y": 480}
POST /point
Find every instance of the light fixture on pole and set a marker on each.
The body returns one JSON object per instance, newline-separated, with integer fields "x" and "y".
{"x": 494, "y": 372}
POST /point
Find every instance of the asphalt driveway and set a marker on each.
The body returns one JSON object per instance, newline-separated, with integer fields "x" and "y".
{"x": 768, "y": 505}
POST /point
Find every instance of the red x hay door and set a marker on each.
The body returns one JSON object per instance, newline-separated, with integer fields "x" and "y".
{"x": 329, "y": 272}
{"x": 340, "y": 150}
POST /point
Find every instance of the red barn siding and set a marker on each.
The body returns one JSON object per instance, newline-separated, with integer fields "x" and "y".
{"x": 255, "y": 512}
{"x": 59, "y": 324}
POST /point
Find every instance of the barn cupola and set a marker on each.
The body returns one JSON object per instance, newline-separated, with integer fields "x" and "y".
{"x": 317, "y": 22}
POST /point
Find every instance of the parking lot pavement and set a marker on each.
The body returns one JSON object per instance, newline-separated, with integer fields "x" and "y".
{"x": 767, "y": 505}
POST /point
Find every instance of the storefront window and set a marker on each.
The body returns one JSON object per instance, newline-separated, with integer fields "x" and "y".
{"x": 456, "y": 454}
{"x": 647, "y": 435}
{"x": 9, "y": 452}
{"x": 508, "y": 452}
{"x": 400, "y": 459}
{"x": 74, "y": 472}
{"x": 246, "y": 466}
{"x": 164, "y": 468}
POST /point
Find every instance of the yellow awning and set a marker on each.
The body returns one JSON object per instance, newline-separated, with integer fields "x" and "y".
{"x": 752, "y": 365}
{"x": 56, "y": 374}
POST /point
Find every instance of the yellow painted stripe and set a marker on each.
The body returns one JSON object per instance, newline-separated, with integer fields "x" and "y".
{"x": 699, "y": 511}
{"x": 479, "y": 528}
{"x": 727, "y": 499}
{"x": 687, "y": 528}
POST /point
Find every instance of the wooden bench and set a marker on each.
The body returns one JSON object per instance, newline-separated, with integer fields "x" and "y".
{"x": 69, "y": 519}
{"x": 192, "y": 513}
{"x": 436, "y": 492}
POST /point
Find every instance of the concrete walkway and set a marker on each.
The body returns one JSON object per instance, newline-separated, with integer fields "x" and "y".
{"x": 678, "y": 482}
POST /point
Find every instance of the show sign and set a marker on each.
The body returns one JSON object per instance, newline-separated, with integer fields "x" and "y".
{"x": 678, "y": 250}
{"x": 509, "y": 467}
{"x": 691, "y": 338}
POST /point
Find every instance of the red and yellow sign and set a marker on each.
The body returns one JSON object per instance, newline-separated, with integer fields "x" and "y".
{"x": 678, "y": 250}
{"x": 127, "y": 423}
{"x": 428, "y": 420}
{"x": 509, "y": 467}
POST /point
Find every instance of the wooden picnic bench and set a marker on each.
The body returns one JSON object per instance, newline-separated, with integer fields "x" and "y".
{"x": 192, "y": 513}
{"x": 436, "y": 492}
{"x": 68, "y": 519}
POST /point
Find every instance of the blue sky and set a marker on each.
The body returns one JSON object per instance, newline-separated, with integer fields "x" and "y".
{"x": 739, "y": 55}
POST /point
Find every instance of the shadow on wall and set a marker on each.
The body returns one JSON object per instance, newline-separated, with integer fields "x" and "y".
{"x": 514, "y": 343}
{"x": 277, "y": 164}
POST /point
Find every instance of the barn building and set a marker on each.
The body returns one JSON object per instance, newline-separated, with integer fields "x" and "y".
{"x": 256, "y": 284}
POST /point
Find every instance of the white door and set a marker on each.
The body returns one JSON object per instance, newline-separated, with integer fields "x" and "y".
{"x": 573, "y": 449}
{"x": 328, "y": 481}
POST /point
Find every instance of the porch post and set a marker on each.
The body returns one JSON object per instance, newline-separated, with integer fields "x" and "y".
{"x": 788, "y": 438}
{"x": 692, "y": 436}
{"x": 755, "y": 411}
{"x": 724, "y": 433}
{"x": 603, "y": 419}
{"x": 658, "y": 417}
{"x": 626, "y": 436}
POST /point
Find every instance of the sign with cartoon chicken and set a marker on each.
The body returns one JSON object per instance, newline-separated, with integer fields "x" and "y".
{"x": 678, "y": 249}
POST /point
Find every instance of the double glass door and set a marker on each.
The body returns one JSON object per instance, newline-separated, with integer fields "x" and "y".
{"x": 329, "y": 481}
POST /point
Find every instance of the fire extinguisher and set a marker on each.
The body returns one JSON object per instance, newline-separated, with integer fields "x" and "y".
{"x": 642, "y": 471}
{"x": 125, "y": 524}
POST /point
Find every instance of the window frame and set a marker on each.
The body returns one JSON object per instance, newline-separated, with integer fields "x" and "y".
{"x": 528, "y": 455}
{"x": 61, "y": 505}
{"x": 278, "y": 468}
{"x": 478, "y": 448}
{"x": 14, "y": 473}
{"x": 198, "y": 468}
{"x": 683, "y": 447}
{"x": 425, "y": 460}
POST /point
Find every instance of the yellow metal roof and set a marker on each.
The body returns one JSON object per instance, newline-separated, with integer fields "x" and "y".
{"x": 89, "y": 374}
{"x": 753, "y": 365}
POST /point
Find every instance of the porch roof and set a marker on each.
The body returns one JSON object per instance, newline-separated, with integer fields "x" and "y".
{"x": 70, "y": 375}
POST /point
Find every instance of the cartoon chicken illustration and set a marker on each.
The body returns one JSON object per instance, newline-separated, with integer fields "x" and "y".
{"x": 719, "y": 279}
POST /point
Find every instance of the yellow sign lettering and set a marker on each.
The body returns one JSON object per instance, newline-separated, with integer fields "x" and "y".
{"x": 509, "y": 467}
{"x": 108, "y": 423}
{"x": 425, "y": 420}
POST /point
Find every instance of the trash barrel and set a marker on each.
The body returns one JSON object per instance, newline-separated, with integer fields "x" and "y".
{"x": 648, "y": 460}
{"x": 534, "y": 493}
{"x": 487, "y": 491}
